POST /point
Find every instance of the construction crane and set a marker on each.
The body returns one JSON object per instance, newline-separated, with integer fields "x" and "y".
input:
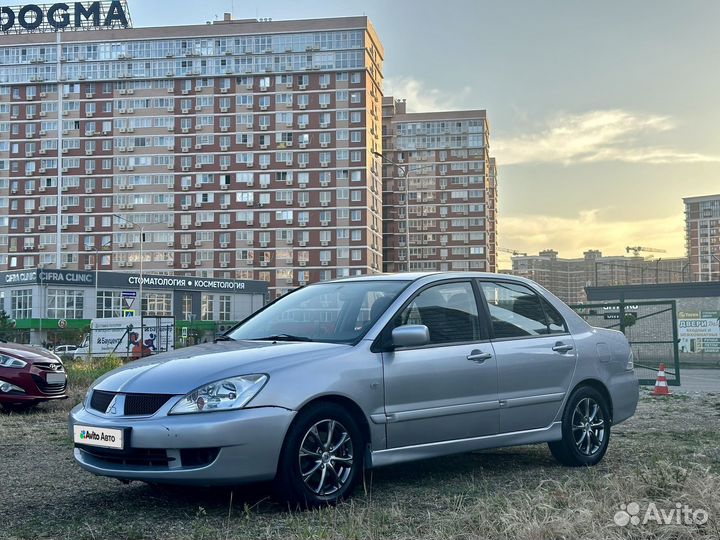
{"x": 512, "y": 251}
{"x": 637, "y": 249}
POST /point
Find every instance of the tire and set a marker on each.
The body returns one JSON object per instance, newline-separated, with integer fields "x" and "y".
{"x": 585, "y": 429}
{"x": 324, "y": 474}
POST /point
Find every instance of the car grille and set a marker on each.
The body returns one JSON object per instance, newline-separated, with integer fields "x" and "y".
{"x": 49, "y": 366}
{"x": 49, "y": 389}
{"x": 138, "y": 457}
{"x": 100, "y": 400}
{"x": 135, "y": 404}
{"x": 151, "y": 457}
{"x": 140, "y": 404}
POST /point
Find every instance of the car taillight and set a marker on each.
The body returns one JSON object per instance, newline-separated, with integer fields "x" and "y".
{"x": 631, "y": 362}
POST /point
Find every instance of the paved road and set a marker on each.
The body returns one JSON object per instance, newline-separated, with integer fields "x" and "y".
{"x": 698, "y": 380}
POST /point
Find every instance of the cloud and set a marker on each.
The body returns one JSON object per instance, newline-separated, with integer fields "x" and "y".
{"x": 570, "y": 236}
{"x": 420, "y": 99}
{"x": 595, "y": 136}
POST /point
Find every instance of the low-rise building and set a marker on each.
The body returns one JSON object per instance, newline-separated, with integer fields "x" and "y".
{"x": 568, "y": 277}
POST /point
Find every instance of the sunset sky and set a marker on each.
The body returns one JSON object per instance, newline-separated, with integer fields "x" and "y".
{"x": 603, "y": 115}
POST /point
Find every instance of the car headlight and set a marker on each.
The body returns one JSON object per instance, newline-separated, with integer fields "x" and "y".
{"x": 225, "y": 395}
{"x": 86, "y": 399}
{"x": 12, "y": 362}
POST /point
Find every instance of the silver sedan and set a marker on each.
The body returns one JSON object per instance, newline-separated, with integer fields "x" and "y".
{"x": 342, "y": 376}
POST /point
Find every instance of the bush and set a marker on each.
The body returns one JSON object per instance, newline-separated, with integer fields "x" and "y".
{"x": 83, "y": 373}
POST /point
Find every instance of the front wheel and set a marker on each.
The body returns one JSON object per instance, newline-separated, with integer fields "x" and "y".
{"x": 585, "y": 429}
{"x": 322, "y": 457}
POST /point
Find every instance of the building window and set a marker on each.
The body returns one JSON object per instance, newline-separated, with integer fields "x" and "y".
{"x": 224, "y": 305}
{"x": 187, "y": 305}
{"x": 64, "y": 304}
{"x": 21, "y": 304}
{"x": 157, "y": 304}
{"x": 207, "y": 307}
{"x": 109, "y": 304}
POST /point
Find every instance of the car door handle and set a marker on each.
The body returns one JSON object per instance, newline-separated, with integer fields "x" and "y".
{"x": 562, "y": 348}
{"x": 478, "y": 356}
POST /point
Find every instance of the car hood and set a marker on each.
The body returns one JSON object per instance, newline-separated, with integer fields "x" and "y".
{"x": 27, "y": 353}
{"x": 179, "y": 372}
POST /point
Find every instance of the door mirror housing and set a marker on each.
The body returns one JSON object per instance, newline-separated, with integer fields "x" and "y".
{"x": 410, "y": 335}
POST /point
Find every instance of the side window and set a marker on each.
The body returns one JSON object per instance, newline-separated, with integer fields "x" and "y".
{"x": 448, "y": 310}
{"x": 516, "y": 311}
{"x": 556, "y": 323}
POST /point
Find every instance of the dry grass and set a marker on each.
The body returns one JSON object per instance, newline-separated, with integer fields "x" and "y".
{"x": 668, "y": 453}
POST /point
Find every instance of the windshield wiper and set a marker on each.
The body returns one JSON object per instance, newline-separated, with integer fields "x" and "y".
{"x": 283, "y": 337}
{"x": 224, "y": 338}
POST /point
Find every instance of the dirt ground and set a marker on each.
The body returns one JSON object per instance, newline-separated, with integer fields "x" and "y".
{"x": 668, "y": 454}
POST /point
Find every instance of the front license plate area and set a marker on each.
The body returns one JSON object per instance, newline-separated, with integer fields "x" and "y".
{"x": 100, "y": 437}
{"x": 56, "y": 378}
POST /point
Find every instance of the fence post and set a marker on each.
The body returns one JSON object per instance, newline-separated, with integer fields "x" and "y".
{"x": 676, "y": 350}
{"x": 622, "y": 315}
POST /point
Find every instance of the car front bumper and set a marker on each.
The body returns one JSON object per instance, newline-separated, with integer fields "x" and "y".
{"x": 33, "y": 381}
{"x": 246, "y": 445}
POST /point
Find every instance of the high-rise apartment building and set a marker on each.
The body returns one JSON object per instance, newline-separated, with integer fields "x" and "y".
{"x": 439, "y": 190}
{"x": 567, "y": 278}
{"x": 237, "y": 150}
{"x": 702, "y": 236}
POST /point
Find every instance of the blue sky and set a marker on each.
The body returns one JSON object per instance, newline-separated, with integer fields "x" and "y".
{"x": 603, "y": 115}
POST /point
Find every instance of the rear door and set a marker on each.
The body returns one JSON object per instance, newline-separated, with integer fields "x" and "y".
{"x": 535, "y": 355}
{"x": 447, "y": 389}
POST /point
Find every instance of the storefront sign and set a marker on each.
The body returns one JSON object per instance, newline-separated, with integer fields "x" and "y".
{"x": 48, "y": 277}
{"x": 130, "y": 283}
{"x": 699, "y": 331}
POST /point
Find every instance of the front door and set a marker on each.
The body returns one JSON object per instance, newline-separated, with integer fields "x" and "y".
{"x": 535, "y": 355}
{"x": 445, "y": 390}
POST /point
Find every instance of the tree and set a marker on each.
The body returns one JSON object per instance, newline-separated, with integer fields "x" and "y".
{"x": 7, "y": 326}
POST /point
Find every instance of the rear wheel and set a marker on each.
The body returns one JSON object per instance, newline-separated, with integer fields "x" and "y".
{"x": 322, "y": 457}
{"x": 585, "y": 429}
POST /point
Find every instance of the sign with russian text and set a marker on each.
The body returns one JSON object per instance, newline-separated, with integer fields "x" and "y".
{"x": 699, "y": 331}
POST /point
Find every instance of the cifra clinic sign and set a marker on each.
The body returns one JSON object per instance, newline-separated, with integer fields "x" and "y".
{"x": 64, "y": 16}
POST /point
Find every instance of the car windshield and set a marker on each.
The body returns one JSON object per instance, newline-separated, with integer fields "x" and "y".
{"x": 335, "y": 312}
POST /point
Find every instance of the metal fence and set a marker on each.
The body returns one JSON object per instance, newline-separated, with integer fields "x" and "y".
{"x": 651, "y": 329}
{"x": 117, "y": 340}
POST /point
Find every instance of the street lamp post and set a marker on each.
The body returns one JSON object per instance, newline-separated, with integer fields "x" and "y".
{"x": 717, "y": 259}
{"x": 40, "y": 273}
{"x": 405, "y": 171}
{"x": 97, "y": 268}
{"x": 142, "y": 256}
{"x": 60, "y": 93}
{"x": 97, "y": 281}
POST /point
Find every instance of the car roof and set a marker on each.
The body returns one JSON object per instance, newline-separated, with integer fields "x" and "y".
{"x": 415, "y": 276}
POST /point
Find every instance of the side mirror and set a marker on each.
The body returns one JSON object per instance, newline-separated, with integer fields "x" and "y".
{"x": 411, "y": 335}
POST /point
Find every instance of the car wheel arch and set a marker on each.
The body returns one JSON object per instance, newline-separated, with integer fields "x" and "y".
{"x": 600, "y": 387}
{"x": 335, "y": 399}
{"x": 343, "y": 401}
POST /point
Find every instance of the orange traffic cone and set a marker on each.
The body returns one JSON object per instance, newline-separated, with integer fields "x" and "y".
{"x": 661, "y": 386}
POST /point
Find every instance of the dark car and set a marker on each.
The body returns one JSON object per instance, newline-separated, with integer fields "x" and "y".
{"x": 29, "y": 376}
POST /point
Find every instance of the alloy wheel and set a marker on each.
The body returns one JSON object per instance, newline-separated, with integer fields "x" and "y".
{"x": 326, "y": 457}
{"x": 588, "y": 426}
